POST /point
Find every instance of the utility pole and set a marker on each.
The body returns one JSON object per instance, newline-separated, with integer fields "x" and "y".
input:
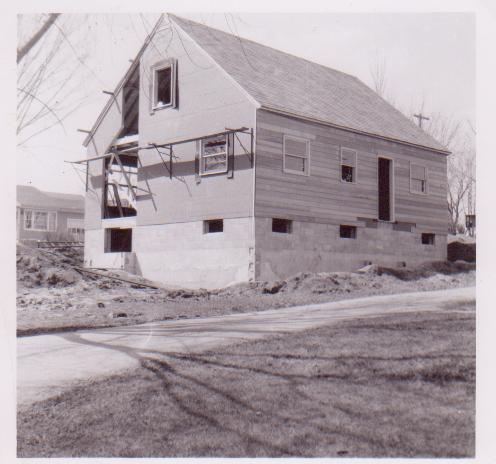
{"x": 420, "y": 118}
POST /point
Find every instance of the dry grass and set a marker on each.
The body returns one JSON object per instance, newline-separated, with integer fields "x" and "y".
{"x": 389, "y": 386}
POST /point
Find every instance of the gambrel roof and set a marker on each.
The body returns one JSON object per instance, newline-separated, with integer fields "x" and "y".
{"x": 285, "y": 83}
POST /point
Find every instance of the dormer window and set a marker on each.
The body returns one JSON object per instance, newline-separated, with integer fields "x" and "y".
{"x": 164, "y": 85}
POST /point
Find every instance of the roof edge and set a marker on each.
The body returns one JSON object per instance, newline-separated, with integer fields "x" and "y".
{"x": 350, "y": 129}
{"x": 117, "y": 89}
{"x": 250, "y": 97}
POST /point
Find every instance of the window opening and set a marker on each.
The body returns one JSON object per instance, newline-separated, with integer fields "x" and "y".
{"x": 418, "y": 178}
{"x": 428, "y": 239}
{"x": 118, "y": 240}
{"x": 212, "y": 226}
{"x": 347, "y": 231}
{"x": 214, "y": 155}
{"x": 296, "y": 154}
{"x": 121, "y": 178}
{"x": 348, "y": 165}
{"x": 282, "y": 226}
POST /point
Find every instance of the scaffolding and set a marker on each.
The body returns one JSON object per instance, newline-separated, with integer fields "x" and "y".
{"x": 117, "y": 154}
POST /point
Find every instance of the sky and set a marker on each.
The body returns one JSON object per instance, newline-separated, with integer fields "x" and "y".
{"x": 429, "y": 61}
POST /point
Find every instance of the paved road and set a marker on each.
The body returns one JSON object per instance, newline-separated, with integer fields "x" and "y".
{"x": 48, "y": 364}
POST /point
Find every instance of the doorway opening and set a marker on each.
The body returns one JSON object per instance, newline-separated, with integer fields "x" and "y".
{"x": 385, "y": 188}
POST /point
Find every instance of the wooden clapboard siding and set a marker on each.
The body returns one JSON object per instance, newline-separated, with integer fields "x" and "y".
{"x": 323, "y": 197}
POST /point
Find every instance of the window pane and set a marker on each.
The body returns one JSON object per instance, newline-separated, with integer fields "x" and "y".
{"x": 214, "y": 155}
{"x": 295, "y": 147}
{"x": 418, "y": 172}
{"x": 295, "y": 163}
{"x": 418, "y": 185}
{"x": 347, "y": 173}
{"x": 28, "y": 219}
{"x": 163, "y": 83}
{"x": 215, "y": 163}
{"x": 348, "y": 157}
{"x": 40, "y": 220}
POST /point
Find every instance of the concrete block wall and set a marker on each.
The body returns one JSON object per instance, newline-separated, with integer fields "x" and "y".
{"x": 316, "y": 247}
{"x": 180, "y": 254}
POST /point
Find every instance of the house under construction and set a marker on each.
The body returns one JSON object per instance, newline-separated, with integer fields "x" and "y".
{"x": 219, "y": 160}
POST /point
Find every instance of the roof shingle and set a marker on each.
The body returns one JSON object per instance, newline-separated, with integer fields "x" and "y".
{"x": 286, "y": 83}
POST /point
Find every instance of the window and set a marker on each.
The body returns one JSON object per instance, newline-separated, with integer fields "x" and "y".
{"x": 347, "y": 231}
{"x": 118, "y": 240}
{"x": 428, "y": 239}
{"x": 164, "y": 84}
{"x": 418, "y": 178}
{"x": 282, "y": 226}
{"x": 214, "y": 155}
{"x": 75, "y": 228}
{"x": 348, "y": 165}
{"x": 213, "y": 226}
{"x": 296, "y": 155}
{"x": 40, "y": 220}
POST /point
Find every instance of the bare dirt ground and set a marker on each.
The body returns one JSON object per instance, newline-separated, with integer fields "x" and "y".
{"x": 401, "y": 385}
{"x": 53, "y": 296}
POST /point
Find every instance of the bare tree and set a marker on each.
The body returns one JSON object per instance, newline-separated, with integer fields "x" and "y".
{"x": 378, "y": 73}
{"x": 459, "y": 139}
{"x": 33, "y": 40}
{"x": 52, "y": 72}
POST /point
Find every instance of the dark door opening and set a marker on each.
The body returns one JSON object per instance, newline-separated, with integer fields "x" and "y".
{"x": 384, "y": 168}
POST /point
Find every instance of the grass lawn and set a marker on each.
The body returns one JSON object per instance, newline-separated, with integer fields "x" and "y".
{"x": 402, "y": 385}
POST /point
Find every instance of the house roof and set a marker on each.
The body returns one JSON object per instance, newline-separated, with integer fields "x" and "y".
{"x": 288, "y": 84}
{"x": 28, "y": 196}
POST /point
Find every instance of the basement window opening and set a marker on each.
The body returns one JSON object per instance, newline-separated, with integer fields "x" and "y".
{"x": 121, "y": 179}
{"x": 282, "y": 226}
{"x": 214, "y": 155}
{"x": 118, "y": 240}
{"x": 347, "y": 231}
{"x": 296, "y": 155}
{"x": 428, "y": 239}
{"x": 348, "y": 165}
{"x": 212, "y": 226}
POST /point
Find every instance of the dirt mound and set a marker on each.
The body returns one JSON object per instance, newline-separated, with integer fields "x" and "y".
{"x": 461, "y": 251}
{"x": 427, "y": 270}
{"x": 40, "y": 267}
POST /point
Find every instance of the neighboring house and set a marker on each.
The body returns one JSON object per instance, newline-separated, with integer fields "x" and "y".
{"x": 48, "y": 215}
{"x": 219, "y": 160}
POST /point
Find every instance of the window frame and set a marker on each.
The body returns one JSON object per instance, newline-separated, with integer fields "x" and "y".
{"x": 341, "y": 164}
{"x": 47, "y": 212}
{"x": 160, "y": 66}
{"x": 417, "y": 192}
{"x": 202, "y": 156}
{"x": 306, "y": 157}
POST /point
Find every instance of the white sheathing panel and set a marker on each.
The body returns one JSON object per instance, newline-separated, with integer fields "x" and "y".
{"x": 208, "y": 102}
